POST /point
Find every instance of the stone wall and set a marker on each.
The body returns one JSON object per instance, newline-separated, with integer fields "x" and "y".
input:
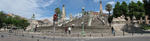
{"x": 118, "y": 26}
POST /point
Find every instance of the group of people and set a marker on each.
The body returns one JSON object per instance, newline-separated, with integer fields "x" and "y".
{"x": 68, "y": 30}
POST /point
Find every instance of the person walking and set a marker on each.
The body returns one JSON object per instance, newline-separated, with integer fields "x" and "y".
{"x": 35, "y": 29}
{"x": 66, "y": 30}
{"x": 69, "y": 30}
{"x": 113, "y": 31}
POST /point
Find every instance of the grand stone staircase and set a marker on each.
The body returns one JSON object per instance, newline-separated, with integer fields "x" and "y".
{"x": 97, "y": 26}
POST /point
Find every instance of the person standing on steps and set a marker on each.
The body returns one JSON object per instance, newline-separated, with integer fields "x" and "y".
{"x": 69, "y": 30}
{"x": 113, "y": 31}
{"x": 35, "y": 29}
{"x": 66, "y": 30}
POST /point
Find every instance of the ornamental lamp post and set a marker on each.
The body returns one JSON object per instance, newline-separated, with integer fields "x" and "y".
{"x": 83, "y": 12}
{"x": 83, "y": 33}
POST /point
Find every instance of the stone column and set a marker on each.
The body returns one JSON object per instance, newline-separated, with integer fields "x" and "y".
{"x": 101, "y": 8}
{"x": 146, "y": 19}
{"x": 141, "y": 20}
{"x": 63, "y": 13}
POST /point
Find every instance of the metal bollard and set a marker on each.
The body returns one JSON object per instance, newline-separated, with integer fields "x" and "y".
{"x": 102, "y": 34}
{"x": 32, "y": 36}
{"x": 2, "y": 36}
{"x": 90, "y": 35}
{"x": 132, "y": 33}
{"x": 23, "y": 35}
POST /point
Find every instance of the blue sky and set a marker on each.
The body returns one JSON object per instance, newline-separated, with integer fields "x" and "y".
{"x": 45, "y": 8}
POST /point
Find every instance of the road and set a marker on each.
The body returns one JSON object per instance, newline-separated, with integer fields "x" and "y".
{"x": 28, "y": 37}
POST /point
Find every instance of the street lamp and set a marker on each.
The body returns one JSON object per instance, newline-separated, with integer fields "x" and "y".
{"x": 83, "y": 12}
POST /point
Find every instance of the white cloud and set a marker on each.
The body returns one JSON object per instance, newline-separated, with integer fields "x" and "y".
{"x": 111, "y": 2}
{"x": 24, "y": 8}
{"x": 67, "y": 18}
{"x": 45, "y": 3}
{"x": 78, "y": 15}
{"x": 104, "y": 11}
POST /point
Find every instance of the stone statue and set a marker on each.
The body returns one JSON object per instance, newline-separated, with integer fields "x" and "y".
{"x": 129, "y": 20}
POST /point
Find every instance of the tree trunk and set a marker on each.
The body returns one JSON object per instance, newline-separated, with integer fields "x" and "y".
{"x": 108, "y": 20}
{"x": 109, "y": 13}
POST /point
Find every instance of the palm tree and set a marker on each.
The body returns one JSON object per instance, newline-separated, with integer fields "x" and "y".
{"x": 58, "y": 12}
{"x": 108, "y": 8}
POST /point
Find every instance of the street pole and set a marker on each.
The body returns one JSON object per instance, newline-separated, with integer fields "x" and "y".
{"x": 54, "y": 20}
{"x": 83, "y": 29}
{"x": 54, "y": 31}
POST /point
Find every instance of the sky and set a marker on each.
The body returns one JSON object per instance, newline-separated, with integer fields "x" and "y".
{"x": 44, "y": 9}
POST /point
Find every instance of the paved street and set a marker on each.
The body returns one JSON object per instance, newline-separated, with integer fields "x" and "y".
{"x": 142, "y": 38}
{"x": 28, "y": 37}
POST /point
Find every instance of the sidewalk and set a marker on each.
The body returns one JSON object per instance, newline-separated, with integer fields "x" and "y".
{"x": 87, "y": 35}
{"x": 79, "y": 35}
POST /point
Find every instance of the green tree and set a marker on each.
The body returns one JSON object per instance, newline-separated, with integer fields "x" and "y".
{"x": 132, "y": 9}
{"x": 136, "y": 9}
{"x": 15, "y": 21}
{"x": 108, "y": 8}
{"x": 116, "y": 10}
{"x": 124, "y": 8}
{"x": 147, "y": 9}
{"x": 140, "y": 10}
{"x": 2, "y": 19}
{"x": 147, "y": 6}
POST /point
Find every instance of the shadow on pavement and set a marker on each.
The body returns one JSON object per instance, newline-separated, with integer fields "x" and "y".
{"x": 131, "y": 28}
